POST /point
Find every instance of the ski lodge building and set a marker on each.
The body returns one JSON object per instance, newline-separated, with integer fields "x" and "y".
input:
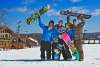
{"x": 6, "y": 37}
{"x": 11, "y": 40}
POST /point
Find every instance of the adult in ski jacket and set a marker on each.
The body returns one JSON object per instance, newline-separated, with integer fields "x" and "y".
{"x": 46, "y": 39}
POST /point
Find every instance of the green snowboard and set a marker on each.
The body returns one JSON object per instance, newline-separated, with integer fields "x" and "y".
{"x": 35, "y": 16}
{"x": 75, "y": 52}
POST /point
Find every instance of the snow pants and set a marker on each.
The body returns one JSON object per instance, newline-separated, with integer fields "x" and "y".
{"x": 45, "y": 49}
{"x": 78, "y": 45}
{"x": 60, "y": 48}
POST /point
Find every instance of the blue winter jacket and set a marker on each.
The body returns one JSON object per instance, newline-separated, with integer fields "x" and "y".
{"x": 71, "y": 33}
{"x": 47, "y": 33}
{"x": 57, "y": 32}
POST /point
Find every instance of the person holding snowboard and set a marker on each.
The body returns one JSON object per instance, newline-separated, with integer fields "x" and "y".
{"x": 46, "y": 39}
{"x": 78, "y": 37}
{"x": 58, "y": 45}
{"x": 71, "y": 33}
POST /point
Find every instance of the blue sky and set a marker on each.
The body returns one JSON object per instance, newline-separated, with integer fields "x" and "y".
{"x": 19, "y": 10}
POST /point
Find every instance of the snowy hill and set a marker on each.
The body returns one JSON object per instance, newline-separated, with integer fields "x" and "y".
{"x": 30, "y": 57}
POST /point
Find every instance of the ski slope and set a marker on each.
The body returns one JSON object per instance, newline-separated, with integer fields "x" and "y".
{"x": 30, "y": 57}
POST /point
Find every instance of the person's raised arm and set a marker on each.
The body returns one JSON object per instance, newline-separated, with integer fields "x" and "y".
{"x": 41, "y": 24}
{"x": 82, "y": 23}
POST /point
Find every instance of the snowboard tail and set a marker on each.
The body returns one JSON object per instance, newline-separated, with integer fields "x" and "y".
{"x": 75, "y": 52}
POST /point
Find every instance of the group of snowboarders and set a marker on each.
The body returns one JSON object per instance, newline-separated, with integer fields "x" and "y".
{"x": 57, "y": 39}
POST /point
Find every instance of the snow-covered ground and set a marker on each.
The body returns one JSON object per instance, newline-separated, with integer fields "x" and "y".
{"x": 30, "y": 58}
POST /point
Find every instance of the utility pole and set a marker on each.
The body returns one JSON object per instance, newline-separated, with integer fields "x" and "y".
{"x": 18, "y": 32}
{"x": 18, "y": 27}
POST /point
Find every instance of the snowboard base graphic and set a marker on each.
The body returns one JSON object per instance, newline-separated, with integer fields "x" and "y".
{"x": 71, "y": 46}
{"x": 37, "y": 14}
{"x": 56, "y": 54}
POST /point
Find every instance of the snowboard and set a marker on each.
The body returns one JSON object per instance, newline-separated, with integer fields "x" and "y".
{"x": 75, "y": 52}
{"x": 59, "y": 46}
{"x": 65, "y": 37}
{"x": 35, "y": 16}
{"x": 56, "y": 54}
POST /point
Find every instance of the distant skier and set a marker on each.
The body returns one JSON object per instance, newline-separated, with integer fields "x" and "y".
{"x": 58, "y": 46}
{"x": 46, "y": 40}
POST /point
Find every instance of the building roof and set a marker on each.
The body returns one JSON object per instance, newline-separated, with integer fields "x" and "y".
{"x": 7, "y": 29}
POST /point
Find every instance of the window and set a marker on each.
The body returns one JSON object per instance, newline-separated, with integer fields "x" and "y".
{"x": 6, "y": 35}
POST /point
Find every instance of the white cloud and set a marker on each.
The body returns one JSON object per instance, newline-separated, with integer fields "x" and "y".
{"x": 75, "y": 0}
{"x": 96, "y": 12}
{"x": 22, "y": 9}
{"x": 75, "y": 9}
{"x": 84, "y": 11}
{"x": 53, "y": 12}
{"x": 28, "y": 1}
{"x": 80, "y": 9}
{"x": 9, "y": 10}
